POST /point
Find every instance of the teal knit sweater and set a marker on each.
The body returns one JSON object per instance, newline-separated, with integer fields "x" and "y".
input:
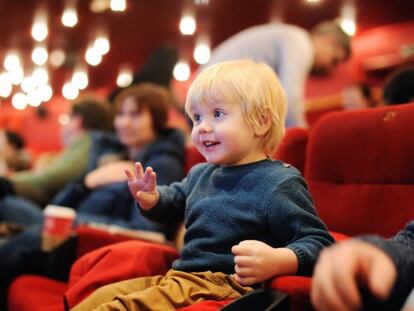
{"x": 224, "y": 205}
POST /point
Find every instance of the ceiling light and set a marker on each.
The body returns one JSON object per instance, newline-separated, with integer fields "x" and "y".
{"x": 187, "y": 25}
{"x": 93, "y": 57}
{"x": 118, "y": 5}
{"x": 69, "y": 91}
{"x": 202, "y": 53}
{"x": 45, "y": 91}
{"x": 69, "y": 17}
{"x": 101, "y": 44}
{"x": 5, "y": 85}
{"x": 12, "y": 61}
{"x": 40, "y": 76}
{"x": 19, "y": 101}
{"x": 57, "y": 57}
{"x": 181, "y": 71}
{"x": 80, "y": 78}
{"x": 125, "y": 77}
{"x": 348, "y": 18}
{"x": 39, "y": 28}
{"x": 40, "y": 55}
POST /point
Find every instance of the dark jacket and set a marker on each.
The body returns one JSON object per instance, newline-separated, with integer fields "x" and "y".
{"x": 400, "y": 248}
{"x": 113, "y": 204}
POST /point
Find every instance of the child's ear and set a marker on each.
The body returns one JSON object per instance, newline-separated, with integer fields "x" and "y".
{"x": 264, "y": 125}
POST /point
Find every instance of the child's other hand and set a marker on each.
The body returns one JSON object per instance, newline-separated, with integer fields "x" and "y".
{"x": 143, "y": 186}
{"x": 253, "y": 262}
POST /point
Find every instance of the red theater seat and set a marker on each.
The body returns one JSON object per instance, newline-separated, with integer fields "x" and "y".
{"x": 360, "y": 170}
{"x": 292, "y": 148}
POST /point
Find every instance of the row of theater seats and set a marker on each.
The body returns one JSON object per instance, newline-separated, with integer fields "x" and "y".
{"x": 359, "y": 168}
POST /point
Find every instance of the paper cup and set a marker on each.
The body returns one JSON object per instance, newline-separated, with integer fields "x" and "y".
{"x": 57, "y": 226}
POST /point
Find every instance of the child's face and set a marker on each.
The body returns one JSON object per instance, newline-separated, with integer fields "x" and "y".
{"x": 222, "y": 135}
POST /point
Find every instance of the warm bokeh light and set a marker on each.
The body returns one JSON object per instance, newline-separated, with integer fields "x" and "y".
{"x": 80, "y": 78}
{"x": 187, "y": 25}
{"x": 70, "y": 91}
{"x": 39, "y": 28}
{"x": 40, "y": 76}
{"x": 93, "y": 57}
{"x": 64, "y": 119}
{"x": 118, "y": 5}
{"x": 181, "y": 71}
{"x": 33, "y": 98}
{"x": 125, "y": 77}
{"x": 5, "y": 85}
{"x": 12, "y": 61}
{"x": 40, "y": 55}
{"x": 202, "y": 53}
{"x": 19, "y": 101}
{"x": 69, "y": 17}
{"x": 45, "y": 91}
{"x": 57, "y": 57}
{"x": 348, "y": 18}
{"x": 16, "y": 76}
{"x": 101, "y": 44}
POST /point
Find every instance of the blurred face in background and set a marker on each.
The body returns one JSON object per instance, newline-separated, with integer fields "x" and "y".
{"x": 328, "y": 53}
{"x": 133, "y": 124}
{"x": 71, "y": 129}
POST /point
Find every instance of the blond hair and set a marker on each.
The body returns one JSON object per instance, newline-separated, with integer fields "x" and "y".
{"x": 252, "y": 85}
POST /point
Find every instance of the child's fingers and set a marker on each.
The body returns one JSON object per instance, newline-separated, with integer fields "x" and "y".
{"x": 243, "y": 261}
{"x": 129, "y": 175}
{"x": 241, "y": 249}
{"x": 153, "y": 180}
{"x": 147, "y": 174}
{"x": 139, "y": 172}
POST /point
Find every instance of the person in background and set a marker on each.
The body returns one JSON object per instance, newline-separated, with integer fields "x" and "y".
{"x": 103, "y": 196}
{"x": 13, "y": 156}
{"x": 243, "y": 211}
{"x": 39, "y": 187}
{"x": 292, "y": 52}
{"x": 366, "y": 273}
{"x": 399, "y": 86}
{"x": 361, "y": 96}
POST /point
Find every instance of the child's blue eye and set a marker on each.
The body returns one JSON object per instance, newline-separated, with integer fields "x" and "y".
{"x": 218, "y": 113}
{"x": 196, "y": 117}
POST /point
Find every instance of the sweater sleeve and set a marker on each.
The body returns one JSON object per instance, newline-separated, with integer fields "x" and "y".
{"x": 293, "y": 219}
{"x": 400, "y": 248}
{"x": 173, "y": 198}
{"x": 40, "y": 187}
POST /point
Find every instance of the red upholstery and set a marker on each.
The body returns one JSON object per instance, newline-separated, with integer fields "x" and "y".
{"x": 192, "y": 157}
{"x": 292, "y": 148}
{"x": 89, "y": 239}
{"x": 90, "y": 272}
{"x": 35, "y": 293}
{"x": 360, "y": 169}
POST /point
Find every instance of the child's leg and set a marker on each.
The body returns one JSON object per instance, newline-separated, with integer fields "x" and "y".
{"x": 177, "y": 289}
{"x": 108, "y": 293}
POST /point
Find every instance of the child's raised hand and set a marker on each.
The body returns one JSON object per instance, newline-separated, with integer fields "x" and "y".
{"x": 256, "y": 262}
{"x": 143, "y": 186}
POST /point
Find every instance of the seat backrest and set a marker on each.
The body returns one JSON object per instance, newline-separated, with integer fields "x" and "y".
{"x": 360, "y": 169}
{"x": 192, "y": 157}
{"x": 292, "y": 148}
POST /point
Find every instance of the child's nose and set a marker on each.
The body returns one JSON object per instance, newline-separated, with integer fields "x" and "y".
{"x": 204, "y": 127}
